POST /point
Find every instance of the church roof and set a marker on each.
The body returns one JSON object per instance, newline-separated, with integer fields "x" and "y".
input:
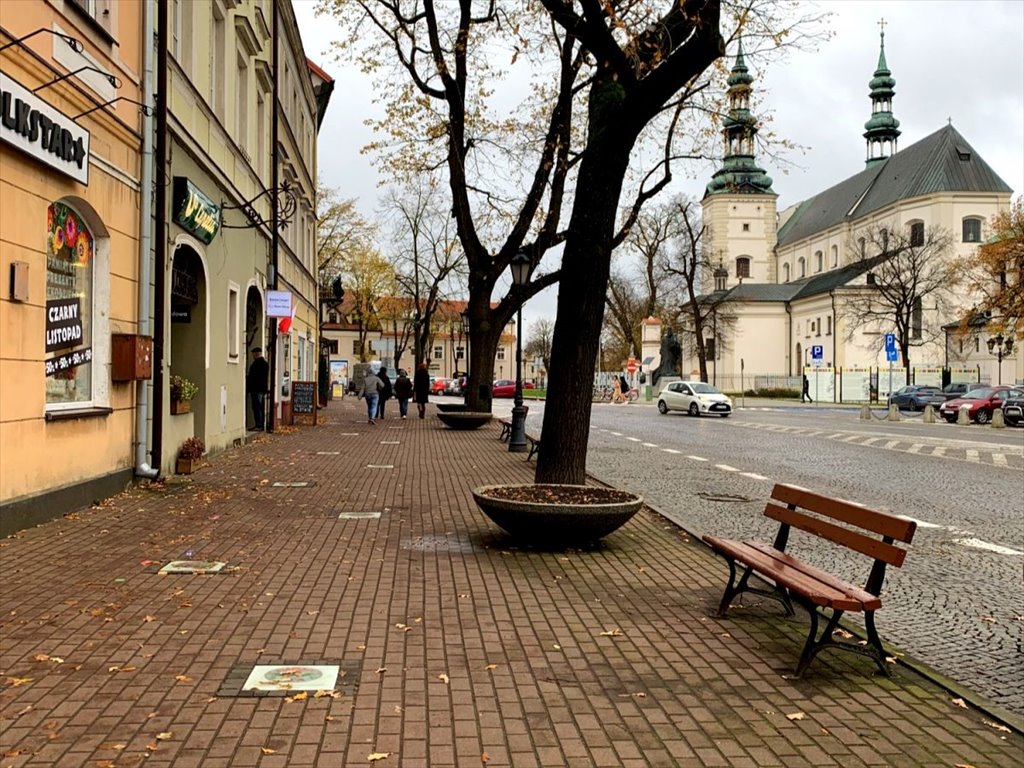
{"x": 941, "y": 162}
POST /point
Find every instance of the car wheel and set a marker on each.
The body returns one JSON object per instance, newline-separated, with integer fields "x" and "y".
{"x": 694, "y": 410}
{"x": 662, "y": 408}
{"x": 982, "y": 417}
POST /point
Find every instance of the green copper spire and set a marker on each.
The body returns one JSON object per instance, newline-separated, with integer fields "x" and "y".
{"x": 739, "y": 173}
{"x": 882, "y": 130}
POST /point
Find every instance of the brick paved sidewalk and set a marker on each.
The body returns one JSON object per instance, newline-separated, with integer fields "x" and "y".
{"x": 455, "y": 648}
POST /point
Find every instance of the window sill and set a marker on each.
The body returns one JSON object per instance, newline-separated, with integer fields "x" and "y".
{"x": 94, "y": 24}
{"x": 84, "y": 413}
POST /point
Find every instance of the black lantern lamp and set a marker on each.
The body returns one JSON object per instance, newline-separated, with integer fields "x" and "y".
{"x": 520, "y": 265}
{"x": 1001, "y": 348}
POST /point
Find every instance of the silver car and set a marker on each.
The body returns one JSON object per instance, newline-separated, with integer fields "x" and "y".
{"x": 696, "y": 398}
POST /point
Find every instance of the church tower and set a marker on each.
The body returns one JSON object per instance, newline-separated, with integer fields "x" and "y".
{"x": 882, "y": 130}
{"x": 739, "y": 204}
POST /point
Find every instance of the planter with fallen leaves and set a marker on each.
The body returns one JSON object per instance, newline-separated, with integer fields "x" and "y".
{"x": 465, "y": 419}
{"x": 557, "y": 515}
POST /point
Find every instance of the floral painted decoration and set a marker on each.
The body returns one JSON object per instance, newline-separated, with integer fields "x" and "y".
{"x": 66, "y": 230}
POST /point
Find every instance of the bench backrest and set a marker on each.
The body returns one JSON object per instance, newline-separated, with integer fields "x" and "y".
{"x": 890, "y": 527}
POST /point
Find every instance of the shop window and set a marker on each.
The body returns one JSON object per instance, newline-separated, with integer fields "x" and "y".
{"x": 743, "y": 266}
{"x": 972, "y": 230}
{"x": 233, "y": 322}
{"x": 70, "y": 289}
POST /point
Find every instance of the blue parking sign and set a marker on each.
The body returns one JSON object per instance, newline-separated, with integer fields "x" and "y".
{"x": 891, "y": 355}
{"x": 817, "y": 352}
{"x": 890, "y": 341}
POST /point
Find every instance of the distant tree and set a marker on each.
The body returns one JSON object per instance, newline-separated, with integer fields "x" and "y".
{"x": 995, "y": 273}
{"x": 341, "y": 232}
{"x": 909, "y": 281}
{"x": 538, "y": 340}
{"x": 367, "y": 276}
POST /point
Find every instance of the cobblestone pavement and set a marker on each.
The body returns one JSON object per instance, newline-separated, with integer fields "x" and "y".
{"x": 957, "y": 603}
{"x": 453, "y": 646}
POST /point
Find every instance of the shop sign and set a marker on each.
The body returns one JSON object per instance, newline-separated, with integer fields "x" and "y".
{"x": 279, "y": 304}
{"x": 68, "y": 362}
{"x": 31, "y": 125}
{"x": 194, "y": 211}
{"x": 181, "y": 313}
{"x": 63, "y": 324}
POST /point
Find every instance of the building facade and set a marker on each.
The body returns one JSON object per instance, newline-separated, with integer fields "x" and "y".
{"x": 70, "y": 169}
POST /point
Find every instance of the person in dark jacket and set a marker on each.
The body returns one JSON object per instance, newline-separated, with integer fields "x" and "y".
{"x": 403, "y": 391}
{"x": 421, "y": 387}
{"x": 385, "y": 393}
{"x": 256, "y": 386}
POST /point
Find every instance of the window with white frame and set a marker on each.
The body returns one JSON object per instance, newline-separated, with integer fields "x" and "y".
{"x": 500, "y": 354}
{"x": 242, "y": 102}
{"x": 438, "y": 352}
{"x": 355, "y": 347}
{"x": 233, "y": 322}
{"x": 801, "y": 265}
{"x": 835, "y": 255}
{"x": 218, "y": 44}
{"x": 819, "y": 261}
{"x": 785, "y": 273}
{"x": 300, "y": 347}
{"x": 972, "y": 230}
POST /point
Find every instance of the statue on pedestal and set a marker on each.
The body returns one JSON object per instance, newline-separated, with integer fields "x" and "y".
{"x": 671, "y": 355}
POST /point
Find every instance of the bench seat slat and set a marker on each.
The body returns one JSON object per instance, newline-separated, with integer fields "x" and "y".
{"x": 796, "y": 576}
{"x": 893, "y": 526}
{"x": 855, "y": 540}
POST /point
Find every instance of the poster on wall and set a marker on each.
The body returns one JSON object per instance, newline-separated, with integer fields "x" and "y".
{"x": 856, "y": 385}
{"x": 339, "y": 377}
{"x": 928, "y": 377}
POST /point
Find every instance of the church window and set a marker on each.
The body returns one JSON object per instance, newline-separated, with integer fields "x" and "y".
{"x": 818, "y": 261}
{"x": 835, "y": 255}
{"x": 885, "y": 241}
{"x": 746, "y": 227}
{"x": 972, "y": 230}
{"x": 817, "y": 327}
{"x": 916, "y": 233}
{"x": 802, "y": 265}
{"x": 828, "y": 328}
{"x": 916, "y": 319}
{"x": 863, "y": 245}
{"x": 785, "y": 273}
{"x": 743, "y": 267}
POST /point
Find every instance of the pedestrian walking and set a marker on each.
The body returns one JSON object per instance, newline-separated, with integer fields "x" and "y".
{"x": 370, "y": 390}
{"x": 256, "y": 385}
{"x": 806, "y": 391}
{"x": 385, "y": 393}
{"x": 421, "y": 387}
{"x": 617, "y": 391}
{"x": 403, "y": 391}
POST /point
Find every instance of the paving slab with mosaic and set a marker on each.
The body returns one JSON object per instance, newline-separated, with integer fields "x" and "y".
{"x": 374, "y": 617}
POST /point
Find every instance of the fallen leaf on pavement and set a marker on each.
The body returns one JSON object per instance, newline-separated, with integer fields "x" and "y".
{"x": 268, "y": 751}
{"x": 375, "y": 756}
{"x": 381, "y": 670}
{"x": 491, "y": 666}
{"x": 960, "y": 703}
{"x": 183, "y": 678}
{"x": 989, "y": 619}
{"x": 14, "y": 682}
{"x": 963, "y": 765}
{"x": 164, "y": 735}
{"x": 443, "y": 678}
{"x": 149, "y": 618}
{"x": 484, "y": 758}
{"x": 24, "y": 711}
{"x": 329, "y": 718}
{"x": 796, "y": 716}
{"x": 997, "y": 726}
{"x": 151, "y": 747}
{"x": 300, "y": 696}
{"x": 612, "y": 633}
{"x": 322, "y": 694}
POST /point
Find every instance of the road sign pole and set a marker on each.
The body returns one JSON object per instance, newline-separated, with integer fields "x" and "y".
{"x": 890, "y": 378}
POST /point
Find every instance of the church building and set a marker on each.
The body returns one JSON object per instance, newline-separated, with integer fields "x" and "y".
{"x": 787, "y": 284}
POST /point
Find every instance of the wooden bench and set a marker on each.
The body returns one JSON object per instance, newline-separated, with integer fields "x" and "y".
{"x": 534, "y": 445}
{"x": 506, "y": 424}
{"x": 812, "y": 587}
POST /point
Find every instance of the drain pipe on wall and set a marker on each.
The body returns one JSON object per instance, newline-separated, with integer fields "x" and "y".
{"x": 160, "y": 228}
{"x": 142, "y": 467}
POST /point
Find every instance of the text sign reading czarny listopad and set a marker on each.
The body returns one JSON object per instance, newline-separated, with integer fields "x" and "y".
{"x": 31, "y": 125}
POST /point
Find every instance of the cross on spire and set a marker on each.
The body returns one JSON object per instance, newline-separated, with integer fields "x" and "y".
{"x": 881, "y": 24}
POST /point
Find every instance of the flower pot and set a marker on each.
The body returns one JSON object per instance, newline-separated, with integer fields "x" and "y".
{"x": 557, "y": 515}
{"x": 180, "y": 406}
{"x": 187, "y": 466}
{"x": 465, "y": 419}
{"x": 452, "y": 407}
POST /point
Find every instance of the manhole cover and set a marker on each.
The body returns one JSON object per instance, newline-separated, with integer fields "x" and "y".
{"x": 303, "y": 484}
{"x": 359, "y": 516}
{"x": 192, "y": 566}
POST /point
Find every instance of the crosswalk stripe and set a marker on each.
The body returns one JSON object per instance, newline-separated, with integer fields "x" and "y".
{"x": 891, "y": 444}
{"x": 973, "y": 455}
{"x": 999, "y": 460}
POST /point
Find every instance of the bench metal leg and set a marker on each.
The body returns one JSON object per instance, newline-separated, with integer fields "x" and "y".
{"x": 506, "y": 432}
{"x": 534, "y": 448}
{"x": 734, "y": 588}
{"x": 815, "y": 644}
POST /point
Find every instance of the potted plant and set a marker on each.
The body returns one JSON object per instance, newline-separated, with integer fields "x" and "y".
{"x": 182, "y": 392}
{"x": 189, "y": 454}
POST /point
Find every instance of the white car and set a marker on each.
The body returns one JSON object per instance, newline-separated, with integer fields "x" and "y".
{"x": 694, "y": 397}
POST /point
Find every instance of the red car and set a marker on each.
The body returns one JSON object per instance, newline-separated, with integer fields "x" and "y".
{"x": 438, "y": 386}
{"x": 980, "y": 403}
{"x": 507, "y": 387}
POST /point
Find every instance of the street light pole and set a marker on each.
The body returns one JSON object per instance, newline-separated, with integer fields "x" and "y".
{"x": 1000, "y": 347}
{"x": 520, "y": 265}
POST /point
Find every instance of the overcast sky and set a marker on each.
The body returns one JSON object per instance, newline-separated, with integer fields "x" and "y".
{"x": 951, "y": 59}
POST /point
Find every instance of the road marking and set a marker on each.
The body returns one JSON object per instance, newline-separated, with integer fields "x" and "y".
{"x": 753, "y": 476}
{"x": 915, "y": 448}
{"x": 999, "y": 460}
{"x": 871, "y": 440}
{"x": 617, "y": 434}
{"x": 979, "y": 544}
{"x": 649, "y": 445}
{"x": 671, "y": 450}
{"x": 973, "y": 455}
{"x": 891, "y": 444}
{"x": 726, "y": 468}
{"x": 924, "y": 523}
{"x": 837, "y": 434}
{"x": 634, "y": 439}
{"x": 939, "y": 450}
{"x": 696, "y": 458}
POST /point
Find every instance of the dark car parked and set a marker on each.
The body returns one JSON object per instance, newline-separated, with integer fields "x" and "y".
{"x": 1013, "y": 411}
{"x": 959, "y": 388}
{"x": 915, "y": 397}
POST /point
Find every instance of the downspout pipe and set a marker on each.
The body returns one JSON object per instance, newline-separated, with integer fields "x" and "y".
{"x": 274, "y": 234}
{"x": 789, "y": 337}
{"x": 160, "y": 228}
{"x": 142, "y": 468}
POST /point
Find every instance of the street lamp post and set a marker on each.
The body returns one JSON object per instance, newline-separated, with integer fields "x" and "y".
{"x": 464, "y": 316}
{"x": 1001, "y": 348}
{"x": 520, "y": 265}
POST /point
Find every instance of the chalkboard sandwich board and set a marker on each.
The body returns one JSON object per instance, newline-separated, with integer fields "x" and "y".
{"x": 304, "y": 398}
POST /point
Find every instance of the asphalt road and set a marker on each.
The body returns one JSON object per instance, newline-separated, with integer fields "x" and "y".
{"x": 957, "y": 604}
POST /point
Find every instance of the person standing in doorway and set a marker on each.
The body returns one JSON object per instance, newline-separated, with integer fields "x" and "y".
{"x": 370, "y": 390}
{"x": 385, "y": 392}
{"x": 256, "y": 386}
{"x": 421, "y": 387}
{"x": 806, "y": 391}
{"x": 403, "y": 391}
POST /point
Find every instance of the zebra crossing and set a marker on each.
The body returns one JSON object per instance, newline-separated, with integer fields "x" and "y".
{"x": 1009, "y": 457}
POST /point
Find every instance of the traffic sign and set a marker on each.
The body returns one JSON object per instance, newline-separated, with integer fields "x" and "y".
{"x": 890, "y": 341}
{"x": 817, "y": 352}
{"x": 891, "y": 355}
{"x": 631, "y": 365}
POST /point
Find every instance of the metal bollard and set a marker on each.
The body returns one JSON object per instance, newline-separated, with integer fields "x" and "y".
{"x": 894, "y": 413}
{"x": 929, "y": 414}
{"x": 998, "y": 420}
{"x": 962, "y": 417}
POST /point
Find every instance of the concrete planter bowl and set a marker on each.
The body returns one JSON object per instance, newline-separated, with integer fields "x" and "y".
{"x": 452, "y": 407}
{"x": 465, "y": 419}
{"x": 557, "y": 515}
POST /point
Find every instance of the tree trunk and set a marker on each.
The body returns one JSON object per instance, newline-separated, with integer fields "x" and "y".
{"x": 586, "y": 264}
{"x": 483, "y": 343}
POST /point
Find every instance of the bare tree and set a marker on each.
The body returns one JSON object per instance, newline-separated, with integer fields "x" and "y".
{"x": 538, "y": 340}
{"x": 908, "y": 279}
